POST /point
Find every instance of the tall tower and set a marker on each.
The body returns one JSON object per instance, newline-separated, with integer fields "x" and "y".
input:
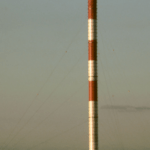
{"x": 92, "y": 74}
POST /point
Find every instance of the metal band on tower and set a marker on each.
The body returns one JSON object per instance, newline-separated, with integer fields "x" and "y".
{"x": 92, "y": 74}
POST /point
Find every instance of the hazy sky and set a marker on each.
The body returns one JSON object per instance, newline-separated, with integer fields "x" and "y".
{"x": 43, "y": 77}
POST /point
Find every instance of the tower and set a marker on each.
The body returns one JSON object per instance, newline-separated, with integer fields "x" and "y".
{"x": 92, "y": 74}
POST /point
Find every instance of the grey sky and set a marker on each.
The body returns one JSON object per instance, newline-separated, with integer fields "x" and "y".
{"x": 34, "y": 38}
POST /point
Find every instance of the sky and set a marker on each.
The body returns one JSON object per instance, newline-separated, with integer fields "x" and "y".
{"x": 44, "y": 80}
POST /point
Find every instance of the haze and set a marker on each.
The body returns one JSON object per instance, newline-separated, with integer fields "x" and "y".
{"x": 43, "y": 74}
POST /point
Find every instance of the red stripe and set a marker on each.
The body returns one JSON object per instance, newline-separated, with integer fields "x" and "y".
{"x": 92, "y": 7}
{"x": 92, "y": 50}
{"x": 92, "y": 90}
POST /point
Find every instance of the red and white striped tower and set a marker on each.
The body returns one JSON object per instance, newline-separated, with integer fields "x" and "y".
{"x": 92, "y": 75}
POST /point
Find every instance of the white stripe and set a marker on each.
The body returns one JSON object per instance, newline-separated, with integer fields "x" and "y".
{"x": 92, "y": 70}
{"x": 92, "y": 29}
{"x": 93, "y": 125}
{"x": 93, "y": 109}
